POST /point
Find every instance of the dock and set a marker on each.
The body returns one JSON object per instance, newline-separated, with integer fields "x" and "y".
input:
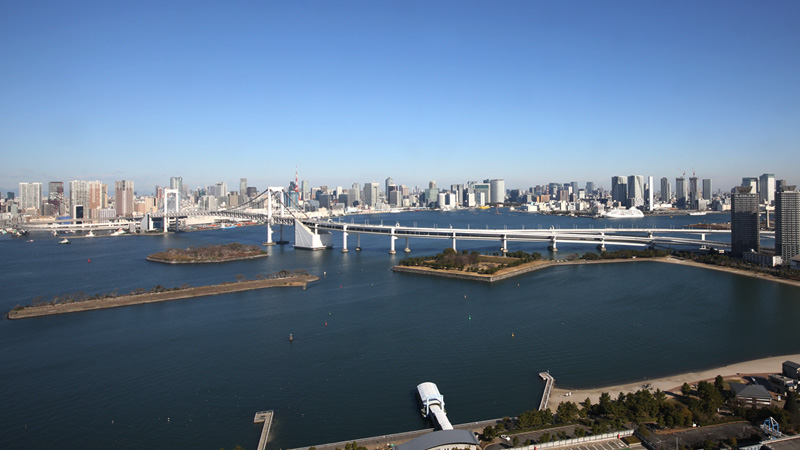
{"x": 264, "y": 417}
{"x": 549, "y": 382}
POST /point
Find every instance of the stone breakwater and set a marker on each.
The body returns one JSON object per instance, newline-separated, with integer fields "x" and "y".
{"x": 137, "y": 299}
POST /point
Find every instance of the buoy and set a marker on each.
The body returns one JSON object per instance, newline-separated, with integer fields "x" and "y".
{"x": 512, "y": 334}
{"x": 89, "y": 260}
{"x": 470, "y": 317}
{"x": 340, "y": 286}
{"x": 326, "y": 324}
{"x": 291, "y": 338}
{"x": 329, "y": 314}
{"x": 465, "y": 296}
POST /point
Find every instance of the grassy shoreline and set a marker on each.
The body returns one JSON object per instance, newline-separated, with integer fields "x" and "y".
{"x": 138, "y": 299}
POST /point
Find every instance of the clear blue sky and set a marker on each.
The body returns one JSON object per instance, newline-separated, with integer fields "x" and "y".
{"x": 350, "y": 91}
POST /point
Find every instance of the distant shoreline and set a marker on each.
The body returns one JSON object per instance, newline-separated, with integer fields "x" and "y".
{"x": 138, "y": 299}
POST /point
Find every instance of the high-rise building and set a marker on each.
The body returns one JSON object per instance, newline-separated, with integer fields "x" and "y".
{"x": 766, "y": 188}
{"x": 707, "y": 193}
{"x": 666, "y": 190}
{"x": 176, "y": 183}
{"x": 497, "y": 191}
{"x": 752, "y": 182}
{"x": 590, "y": 188}
{"x": 636, "y": 190}
{"x": 371, "y": 193}
{"x": 305, "y": 190}
{"x": 89, "y": 195}
{"x": 787, "y": 223}
{"x": 745, "y": 223}
{"x": 694, "y": 193}
{"x": 619, "y": 189}
{"x": 123, "y": 198}
{"x": 243, "y": 187}
{"x": 650, "y": 189}
{"x": 389, "y": 182}
{"x": 30, "y": 197}
{"x": 680, "y": 193}
{"x": 55, "y": 197}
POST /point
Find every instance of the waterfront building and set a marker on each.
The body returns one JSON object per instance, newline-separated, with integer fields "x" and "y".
{"x": 680, "y": 193}
{"x": 791, "y": 369}
{"x": 497, "y": 191}
{"x": 787, "y": 223}
{"x": 666, "y": 190}
{"x": 371, "y": 193}
{"x": 55, "y": 198}
{"x": 91, "y": 196}
{"x": 766, "y": 188}
{"x": 619, "y": 189}
{"x": 694, "y": 193}
{"x": 443, "y": 439}
{"x": 745, "y": 226}
{"x": 481, "y": 188}
{"x": 707, "y": 193}
{"x": 123, "y": 198}
{"x": 30, "y": 198}
{"x": 751, "y": 395}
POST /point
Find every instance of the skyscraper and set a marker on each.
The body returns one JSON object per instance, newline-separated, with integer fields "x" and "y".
{"x": 371, "y": 192}
{"x": 766, "y": 188}
{"x": 707, "y": 189}
{"x": 497, "y": 190}
{"x": 176, "y": 183}
{"x": 680, "y": 193}
{"x": 590, "y": 188}
{"x": 745, "y": 226}
{"x": 30, "y": 197}
{"x": 389, "y": 182}
{"x": 694, "y": 193}
{"x": 666, "y": 190}
{"x": 55, "y": 197}
{"x": 787, "y": 223}
{"x": 243, "y": 187}
{"x": 650, "y": 189}
{"x": 636, "y": 190}
{"x": 752, "y": 182}
{"x": 123, "y": 198}
{"x": 619, "y": 189}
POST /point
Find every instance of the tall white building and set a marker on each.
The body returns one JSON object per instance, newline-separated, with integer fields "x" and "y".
{"x": 650, "y": 189}
{"x": 766, "y": 188}
{"x": 371, "y": 193}
{"x": 636, "y": 190}
{"x": 30, "y": 197}
{"x": 497, "y": 191}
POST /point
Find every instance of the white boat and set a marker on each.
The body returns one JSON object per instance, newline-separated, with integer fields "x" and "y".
{"x": 90, "y": 234}
{"x": 119, "y": 232}
{"x": 64, "y": 241}
{"x": 617, "y": 213}
{"x": 698, "y": 213}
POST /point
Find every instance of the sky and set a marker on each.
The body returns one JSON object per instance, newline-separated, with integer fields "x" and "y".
{"x": 356, "y": 91}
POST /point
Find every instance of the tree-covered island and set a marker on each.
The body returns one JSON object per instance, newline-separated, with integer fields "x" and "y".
{"x": 210, "y": 254}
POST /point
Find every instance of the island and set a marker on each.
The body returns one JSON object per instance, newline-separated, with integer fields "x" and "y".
{"x": 209, "y": 254}
{"x": 79, "y": 302}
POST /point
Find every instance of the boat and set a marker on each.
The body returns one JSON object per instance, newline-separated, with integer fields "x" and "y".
{"x": 119, "y": 232}
{"x": 697, "y": 213}
{"x": 90, "y": 234}
{"x": 617, "y": 213}
{"x": 64, "y": 241}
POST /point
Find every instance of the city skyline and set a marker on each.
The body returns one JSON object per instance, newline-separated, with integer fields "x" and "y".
{"x": 358, "y": 91}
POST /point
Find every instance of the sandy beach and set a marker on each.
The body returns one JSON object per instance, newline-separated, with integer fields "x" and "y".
{"x": 673, "y": 383}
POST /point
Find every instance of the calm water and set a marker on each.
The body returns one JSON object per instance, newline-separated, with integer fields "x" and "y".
{"x": 192, "y": 373}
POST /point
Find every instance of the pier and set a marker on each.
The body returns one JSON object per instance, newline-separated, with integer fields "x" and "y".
{"x": 264, "y": 417}
{"x": 549, "y": 382}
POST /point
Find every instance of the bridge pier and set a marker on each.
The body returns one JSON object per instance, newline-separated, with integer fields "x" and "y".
{"x": 344, "y": 241}
{"x": 269, "y": 235}
{"x": 392, "y": 238}
{"x": 504, "y": 244}
{"x": 454, "y": 241}
{"x": 407, "y": 250}
{"x": 358, "y": 242}
{"x": 552, "y": 247}
{"x": 602, "y": 246}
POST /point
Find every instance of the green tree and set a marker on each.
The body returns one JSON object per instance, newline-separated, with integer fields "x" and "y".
{"x": 545, "y": 438}
{"x": 686, "y": 389}
{"x": 580, "y": 432}
{"x": 488, "y": 433}
{"x": 567, "y": 412}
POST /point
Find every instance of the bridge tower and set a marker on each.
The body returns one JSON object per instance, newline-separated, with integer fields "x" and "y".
{"x": 177, "y": 194}
{"x": 274, "y": 200}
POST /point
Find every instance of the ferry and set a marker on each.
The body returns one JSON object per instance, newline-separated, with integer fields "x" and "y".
{"x": 119, "y": 232}
{"x": 64, "y": 241}
{"x": 697, "y": 213}
{"x": 90, "y": 234}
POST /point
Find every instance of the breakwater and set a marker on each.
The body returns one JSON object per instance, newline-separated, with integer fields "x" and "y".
{"x": 138, "y": 299}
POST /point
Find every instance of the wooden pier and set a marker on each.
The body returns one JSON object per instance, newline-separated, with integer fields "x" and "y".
{"x": 549, "y": 382}
{"x": 266, "y": 418}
